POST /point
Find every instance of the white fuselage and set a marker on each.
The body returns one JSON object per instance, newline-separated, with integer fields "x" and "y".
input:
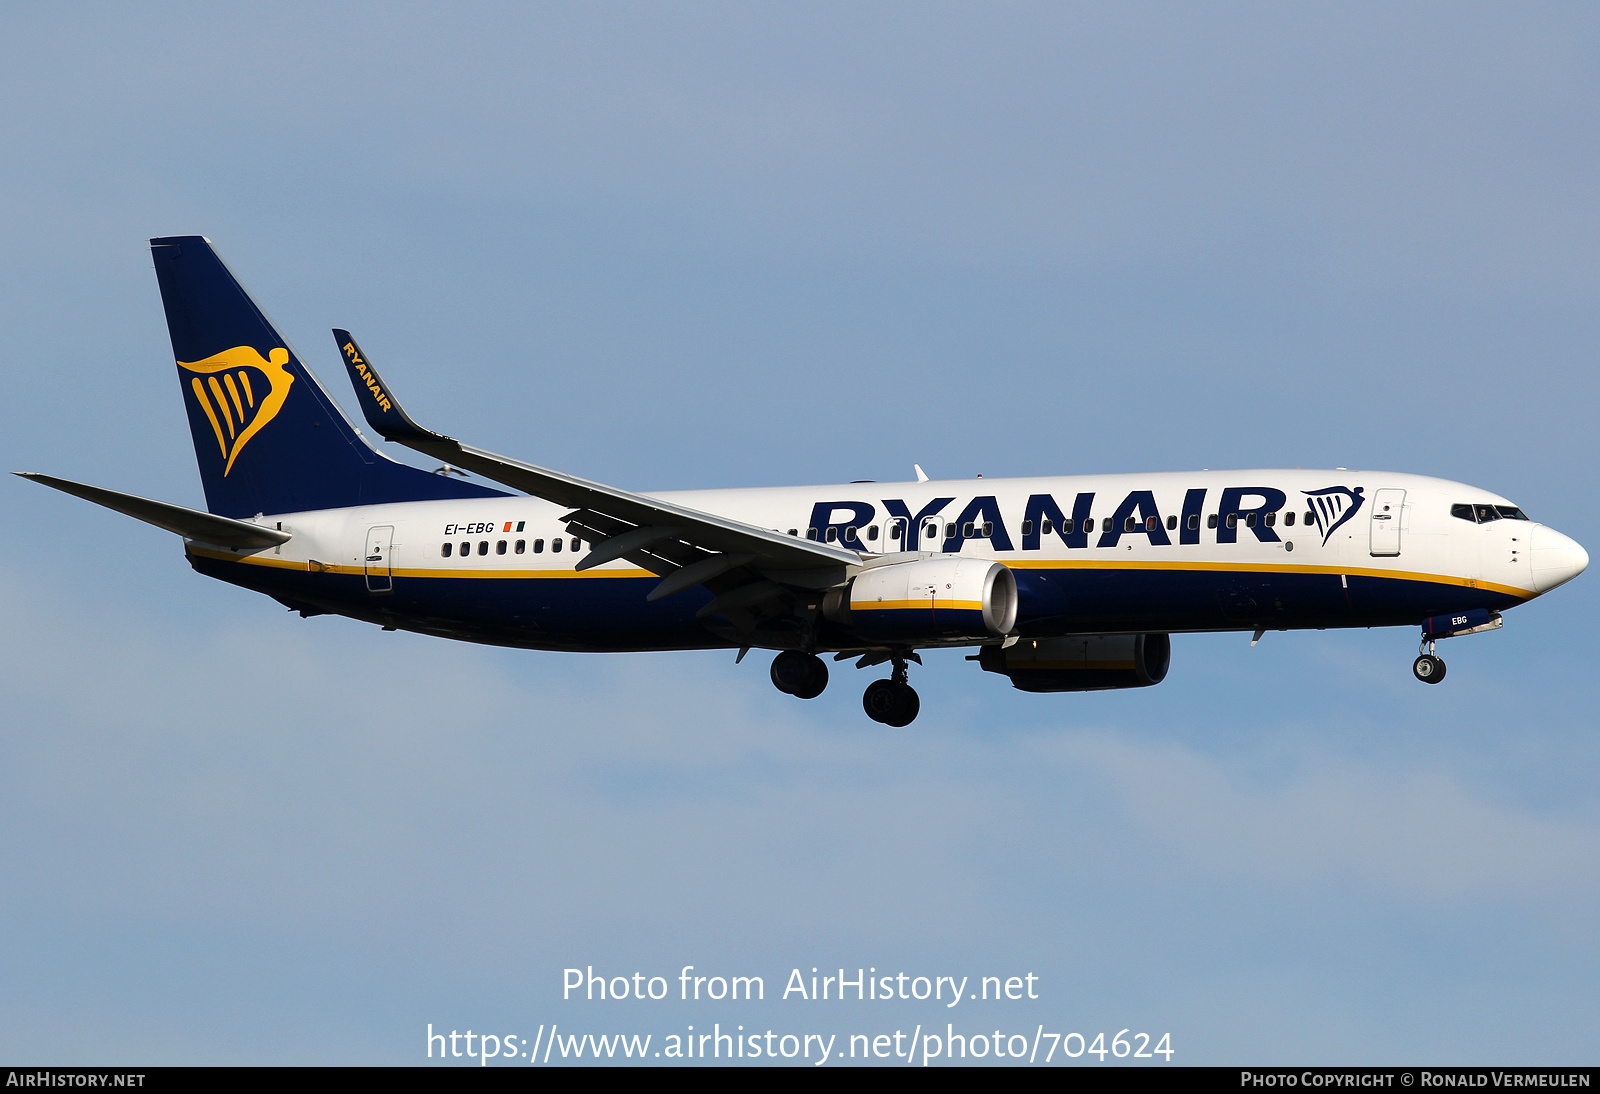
{"x": 1212, "y": 550}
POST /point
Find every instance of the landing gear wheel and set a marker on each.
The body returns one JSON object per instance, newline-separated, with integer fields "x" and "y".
{"x": 891, "y": 702}
{"x": 802, "y": 675}
{"x": 1428, "y": 668}
{"x": 908, "y": 708}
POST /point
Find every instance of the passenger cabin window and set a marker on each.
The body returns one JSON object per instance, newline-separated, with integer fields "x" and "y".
{"x": 988, "y": 528}
{"x": 1044, "y": 525}
{"x": 966, "y": 530}
{"x": 1130, "y": 524}
{"x": 576, "y": 543}
{"x": 811, "y": 533}
{"x": 500, "y": 547}
{"x": 1288, "y": 520}
{"x": 555, "y": 545}
{"x": 538, "y": 546}
{"x": 1027, "y": 527}
{"x": 794, "y": 532}
{"x": 1233, "y": 520}
{"x": 1194, "y": 522}
{"x": 1211, "y": 521}
{"x": 1311, "y": 518}
{"x": 850, "y": 534}
{"x": 950, "y": 531}
{"x": 522, "y": 546}
{"x": 833, "y": 534}
{"x": 1105, "y": 525}
{"x": 483, "y": 546}
{"x": 444, "y": 552}
{"x": 872, "y": 532}
{"x": 1271, "y": 519}
{"x": 1249, "y": 520}
{"x": 1172, "y": 523}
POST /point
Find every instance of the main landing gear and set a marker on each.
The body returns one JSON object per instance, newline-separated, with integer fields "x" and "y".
{"x": 893, "y": 701}
{"x": 802, "y": 675}
{"x": 1428, "y": 667}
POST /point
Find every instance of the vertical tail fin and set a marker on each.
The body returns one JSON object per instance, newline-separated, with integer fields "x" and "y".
{"x": 268, "y": 437}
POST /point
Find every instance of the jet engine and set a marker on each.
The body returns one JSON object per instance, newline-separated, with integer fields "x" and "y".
{"x": 1096, "y": 662}
{"x": 931, "y": 600}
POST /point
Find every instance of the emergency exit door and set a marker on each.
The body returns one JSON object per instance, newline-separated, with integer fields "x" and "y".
{"x": 380, "y": 543}
{"x": 1386, "y": 508}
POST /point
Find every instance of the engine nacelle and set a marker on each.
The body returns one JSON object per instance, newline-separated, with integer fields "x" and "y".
{"x": 932, "y": 600}
{"x": 1096, "y": 662}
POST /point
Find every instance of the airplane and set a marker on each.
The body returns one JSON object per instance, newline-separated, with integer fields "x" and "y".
{"x": 1060, "y": 584}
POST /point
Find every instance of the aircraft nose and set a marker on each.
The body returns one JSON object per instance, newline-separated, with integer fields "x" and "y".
{"x": 1557, "y": 559}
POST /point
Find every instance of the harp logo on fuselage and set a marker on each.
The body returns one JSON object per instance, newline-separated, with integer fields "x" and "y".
{"x": 1333, "y": 506}
{"x": 237, "y": 407}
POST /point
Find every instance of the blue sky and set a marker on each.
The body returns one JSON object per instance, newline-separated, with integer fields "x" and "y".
{"x": 730, "y": 245}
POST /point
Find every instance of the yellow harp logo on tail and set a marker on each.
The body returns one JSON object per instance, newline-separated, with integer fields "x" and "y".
{"x": 237, "y": 407}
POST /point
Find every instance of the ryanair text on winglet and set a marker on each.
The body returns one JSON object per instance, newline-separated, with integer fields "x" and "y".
{"x": 366, "y": 374}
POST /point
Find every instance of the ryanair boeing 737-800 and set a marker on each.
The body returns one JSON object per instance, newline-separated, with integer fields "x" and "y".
{"x": 1060, "y": 583}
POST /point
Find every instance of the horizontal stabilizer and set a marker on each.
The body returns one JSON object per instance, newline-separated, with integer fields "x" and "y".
{"x": 223, "y": 531}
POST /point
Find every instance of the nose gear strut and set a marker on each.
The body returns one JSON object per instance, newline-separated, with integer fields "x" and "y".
{"x": 1428, "y": 667}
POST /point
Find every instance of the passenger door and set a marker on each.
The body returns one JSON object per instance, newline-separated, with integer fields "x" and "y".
{"x": 1386, "y": 507}
{"x": 380, "y": 544}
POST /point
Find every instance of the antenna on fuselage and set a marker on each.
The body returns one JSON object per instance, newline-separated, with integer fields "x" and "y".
{"x": 922, "y": 476}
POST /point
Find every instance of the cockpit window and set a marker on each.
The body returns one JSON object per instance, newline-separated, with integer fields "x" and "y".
{"x": 1483, "y": 514}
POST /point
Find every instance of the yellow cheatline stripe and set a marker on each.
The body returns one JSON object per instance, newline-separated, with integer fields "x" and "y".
{"x": 903, "y": 605}
{"x": 1273, "y": 568}
{"x": 334, "y": 568}
{"x": 244, "y": 379}
{"x": 967, "y": 605}
{"x": 216, "y": 389}
{"x": 205, "y": 404}
{"x": 597, "y": 572}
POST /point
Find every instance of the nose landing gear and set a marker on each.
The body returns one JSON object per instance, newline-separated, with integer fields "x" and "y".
{"x": 893, "y": 701}
{"x": 1428, "y": 667}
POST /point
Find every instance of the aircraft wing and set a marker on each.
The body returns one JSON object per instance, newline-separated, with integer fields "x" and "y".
{"x": 223, "y": 531}
{"x": 691, "y": 546}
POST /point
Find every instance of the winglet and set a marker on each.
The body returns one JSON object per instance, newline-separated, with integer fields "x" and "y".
{"x": 378, "y": 404}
